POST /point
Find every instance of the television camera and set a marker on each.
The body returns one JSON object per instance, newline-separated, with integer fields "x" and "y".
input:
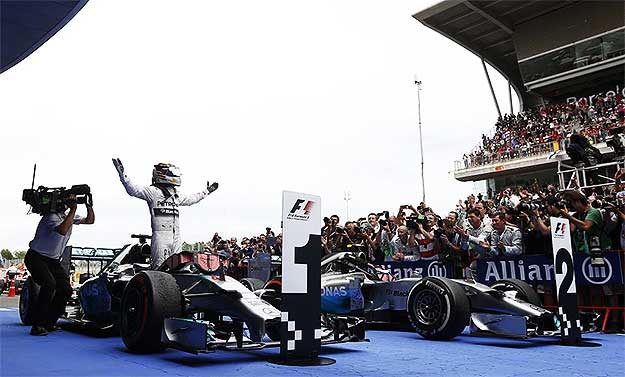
{"x": 44, "y": 200}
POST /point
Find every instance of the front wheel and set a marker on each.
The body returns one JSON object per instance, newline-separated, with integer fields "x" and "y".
{"x": 149, "y": 298}
{"x": 438, "y": 308}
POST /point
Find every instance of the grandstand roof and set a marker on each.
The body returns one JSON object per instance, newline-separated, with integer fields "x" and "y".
{"x": 486, "y": 28}
{"x": 26, "y": 25}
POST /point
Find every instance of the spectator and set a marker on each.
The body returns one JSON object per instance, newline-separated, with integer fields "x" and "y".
{"x": 383, "y": 240}
{"x": 404, "y": 245}
{"x": 234, "y": 244}
{"x": 482, "y": 208}
{"x": 451, "y": 243}
{"x": 278, "y": 247}
{"x": 247, "y": 250}
{"x": 372, "y": 218}
{"x": 534, "y": 131}
{"x": 474, "y": 233}
{"x": 357, "y": 240}
{"x": 505, "y": 240}
{"x": 429, "y": 247}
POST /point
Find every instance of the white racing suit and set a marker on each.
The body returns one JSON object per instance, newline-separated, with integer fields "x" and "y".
{"x": 163, "y": 204}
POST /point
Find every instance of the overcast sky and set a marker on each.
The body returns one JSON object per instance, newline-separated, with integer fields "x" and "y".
{"x": 261, "y": 96}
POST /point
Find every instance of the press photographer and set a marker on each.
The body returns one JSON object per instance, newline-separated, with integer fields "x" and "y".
{"x": 43, "y": 259}
{"x": 450, "y": 242}
{"x": 590, "y": 237}
{"x": 425, "y": 227}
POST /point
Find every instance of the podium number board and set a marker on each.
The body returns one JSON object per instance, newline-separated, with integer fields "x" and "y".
{"x": 301, "y": 277}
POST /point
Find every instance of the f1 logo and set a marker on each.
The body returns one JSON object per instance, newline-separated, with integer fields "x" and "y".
{"x": 560, "y": 228}
{"x": 301, "y": 210}
{"x": 298, "y": 205}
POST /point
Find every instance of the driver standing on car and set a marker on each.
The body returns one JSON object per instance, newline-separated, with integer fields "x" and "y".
{"x": 163, "y": 201}
{"x": 43, "y": 261}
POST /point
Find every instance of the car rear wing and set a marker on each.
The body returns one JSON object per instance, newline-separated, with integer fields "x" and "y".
{"x": 88, "y": 258}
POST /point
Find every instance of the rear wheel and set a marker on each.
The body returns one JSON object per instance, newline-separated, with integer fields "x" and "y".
{"x": 149, "y": 298}
{"x": 28, "y": 300}
{"x": 523, "y": 290}
{"x": 438, "y": 308}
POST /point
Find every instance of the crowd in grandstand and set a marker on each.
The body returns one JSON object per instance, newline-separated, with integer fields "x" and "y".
{"x": 535, "y": 131}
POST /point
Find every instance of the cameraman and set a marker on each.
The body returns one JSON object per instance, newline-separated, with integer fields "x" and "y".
{"x": 43, "y": 261}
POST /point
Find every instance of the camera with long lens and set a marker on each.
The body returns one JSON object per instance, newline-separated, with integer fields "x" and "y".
{"x": 609, "y": 201}
{"x": 439, "y": 231}
{"x": 44, "y": 200}
{"x": 529, "y": 207}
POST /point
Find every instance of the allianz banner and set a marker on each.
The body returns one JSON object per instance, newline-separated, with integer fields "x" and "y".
{"x": 539, "y": 269}
{"x": 424, "y": 268}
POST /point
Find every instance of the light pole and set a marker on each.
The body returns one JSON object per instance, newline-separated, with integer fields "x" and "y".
{"x": 347, "y": 197}
{"x": 418, "y": 83}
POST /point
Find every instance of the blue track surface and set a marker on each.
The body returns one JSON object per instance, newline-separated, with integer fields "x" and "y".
{"x": 389, "y": 353}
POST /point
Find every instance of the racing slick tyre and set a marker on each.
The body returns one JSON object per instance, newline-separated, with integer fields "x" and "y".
{"x": 28, "y": 300}
{"x": 438, "y": 308}
{"x": 149, "y": 298}
{"x": 252, "y": 284}
{"x": 523, "y": 290}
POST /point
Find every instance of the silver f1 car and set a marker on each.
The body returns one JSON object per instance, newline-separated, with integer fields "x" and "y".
{"x": 188, "y": 304}
{"x": 438, "y": 308}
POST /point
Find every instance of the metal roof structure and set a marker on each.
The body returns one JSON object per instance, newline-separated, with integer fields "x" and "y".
{"x": 486, "y": 28}
{"x": 26, "y": 25}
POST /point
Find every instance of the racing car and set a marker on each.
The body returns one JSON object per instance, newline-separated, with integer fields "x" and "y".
{"x": 437, "y": 308}
{"x": 187, "y": 304}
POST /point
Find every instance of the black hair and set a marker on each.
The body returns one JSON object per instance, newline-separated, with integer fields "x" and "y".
{"x": 474, "y": 211}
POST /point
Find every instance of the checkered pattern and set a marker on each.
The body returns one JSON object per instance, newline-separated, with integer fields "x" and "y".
{"x": 297, "y": 334}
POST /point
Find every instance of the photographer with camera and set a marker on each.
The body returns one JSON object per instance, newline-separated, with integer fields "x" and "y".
{"x": 590, "y": 237}
{"x": 384, "y": 250}
{"x": 404, "y": 245}
{"x": 428, "y": 244}
{"x": 450, "y": 242}
{"x": 163, "y": 201}
{"x": 43, "y": 261}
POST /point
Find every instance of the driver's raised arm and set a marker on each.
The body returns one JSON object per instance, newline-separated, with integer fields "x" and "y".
{"x": 132, "y": 189}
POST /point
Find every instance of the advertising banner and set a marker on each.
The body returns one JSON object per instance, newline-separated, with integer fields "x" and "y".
{"x": 540, "y": 269}
{"x": 301, "y": 276}
{"x": 423, "y": 268}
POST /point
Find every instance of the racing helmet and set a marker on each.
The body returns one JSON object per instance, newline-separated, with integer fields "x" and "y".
{"x": 166, "y": 174}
